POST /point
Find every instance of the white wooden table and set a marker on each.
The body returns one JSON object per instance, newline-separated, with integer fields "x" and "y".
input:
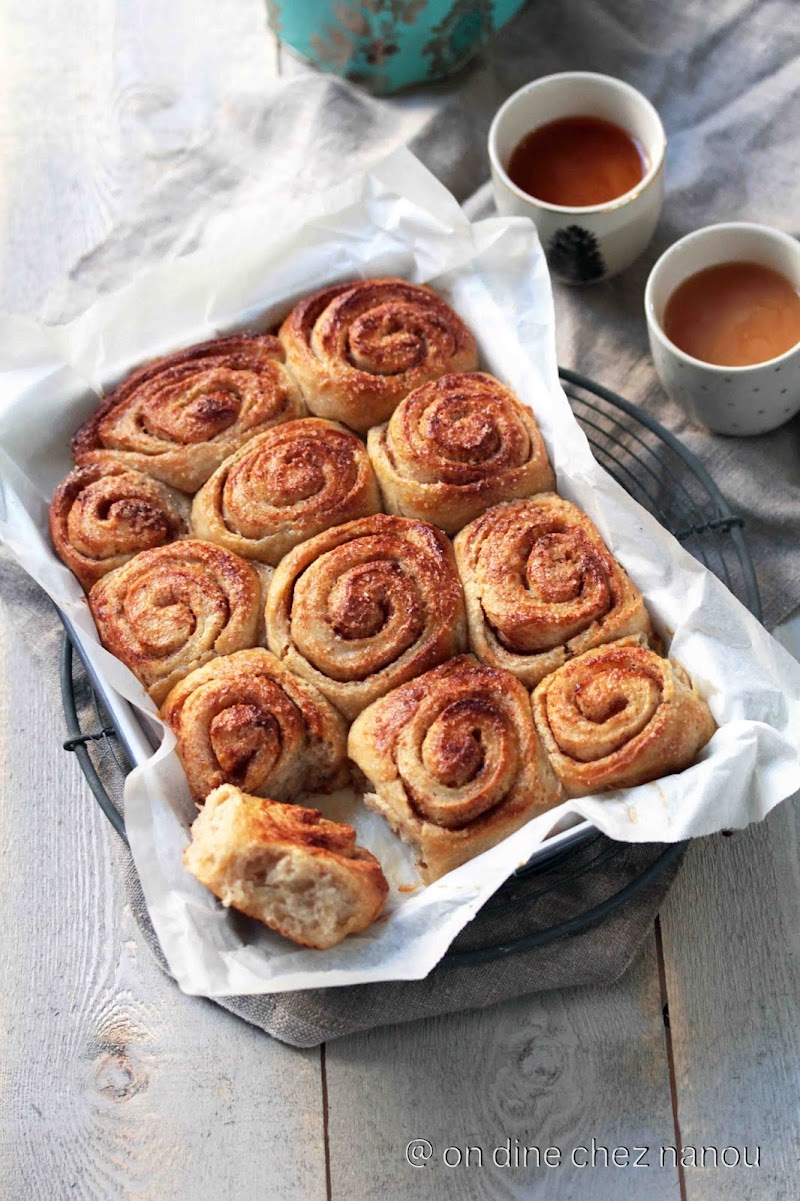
{"x": 114, "y": 1085}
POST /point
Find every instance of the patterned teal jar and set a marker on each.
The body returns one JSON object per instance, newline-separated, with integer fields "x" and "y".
{"x": 385, "y": 45}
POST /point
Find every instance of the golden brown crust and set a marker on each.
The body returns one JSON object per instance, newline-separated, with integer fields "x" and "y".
{"x": 101, "y": 515}
{"x": 358, "y": 348}
{"x": 180, "y": 416}
{"x": 285, "y": 486}
{"x": 456, "y": 446}
{"x": 169, "y": 610}
{"x": 618, "y": 716}
{"x": 454, "y": 761}
{"x": 243, "y": 719}
{"x": 541, "y": 586}
{"x": 286, "y": 866}
{"x": 365, "y": 607}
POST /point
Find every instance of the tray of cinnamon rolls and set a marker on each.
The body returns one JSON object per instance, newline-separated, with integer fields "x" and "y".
{"x": 374, "y": 625}
{"x": 336, "y": 556}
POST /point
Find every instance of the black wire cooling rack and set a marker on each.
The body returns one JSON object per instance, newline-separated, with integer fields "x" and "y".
{"x": 657, "y": 470}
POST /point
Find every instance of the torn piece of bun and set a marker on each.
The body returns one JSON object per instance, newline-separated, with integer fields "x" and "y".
{"x": 286, "y": 866}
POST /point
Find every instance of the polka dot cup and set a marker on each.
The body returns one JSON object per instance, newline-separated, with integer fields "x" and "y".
{"x": 730, "y": 400}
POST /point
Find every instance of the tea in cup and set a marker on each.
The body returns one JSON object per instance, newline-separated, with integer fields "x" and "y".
{"x": 723, "y": 316}
{"x": 583, "y": 156}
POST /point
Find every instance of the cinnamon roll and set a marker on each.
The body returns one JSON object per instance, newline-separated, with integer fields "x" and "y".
{"x": 285, "y": 866}
{"x": 243, "y": 719}
{"x": 454, "y": 761}
{"x": 618, "y": 716}
{"x": 358, "y": 348}
{"x": 169, "y": 610}
{"x": 102, "y": 514}
{"x": 456, "y": 446}
{"x": 180, "y": 416}
{"x": 285, "y": 486}
{"x": 541, "y": 586}
{"x": 366, "y": 606}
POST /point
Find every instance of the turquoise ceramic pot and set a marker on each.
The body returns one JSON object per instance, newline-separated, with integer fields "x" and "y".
{"x": 388, "y": 44}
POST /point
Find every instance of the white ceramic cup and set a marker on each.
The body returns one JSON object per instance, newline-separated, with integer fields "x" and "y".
{"x": 730, "y": 400}
{"x": 582, "y": 245}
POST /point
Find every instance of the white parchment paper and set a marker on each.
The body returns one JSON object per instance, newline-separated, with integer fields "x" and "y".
{"x": 397, "y": 220}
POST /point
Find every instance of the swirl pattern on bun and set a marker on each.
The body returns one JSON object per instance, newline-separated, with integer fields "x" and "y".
{"x": 102, "y": 514}
{"x": 282, "y": 487}
{"x": 541, "y": 586}
{"x": 618, "y": 716}
{"x": 366, "y": 606}
{"x": 245, "y": 720}
{"x": 454, "y": 762}
{"x": 456, "y": 446}
{"x": 359, "y": 348}
{"x": 180, "y": 416}
{"x": 169, "y": 610}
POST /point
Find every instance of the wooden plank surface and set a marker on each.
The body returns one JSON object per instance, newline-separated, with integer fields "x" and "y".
{"x": 113, "y": 122}
{"x": 114, "y": 1084}
{"x": 550, "y": 1071}
{"x": 731, "y": 934}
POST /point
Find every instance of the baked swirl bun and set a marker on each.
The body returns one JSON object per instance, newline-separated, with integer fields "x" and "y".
{"x": 285, "y": 486}
{"x": 243, "y": 719}
{"x": 169, "y": 610}
{"x": 456, "y": 446}
{"x": 366, "y": 606}
{"x": 180, "y": 416}
{"x": 286, "y": 866}
{"x": 102, "y": 514}
{"x": 358, "y": 348}
{"x": 454, "y": 761}
{"x": 541, "y": 586}
{"x": 618, "y": 716}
